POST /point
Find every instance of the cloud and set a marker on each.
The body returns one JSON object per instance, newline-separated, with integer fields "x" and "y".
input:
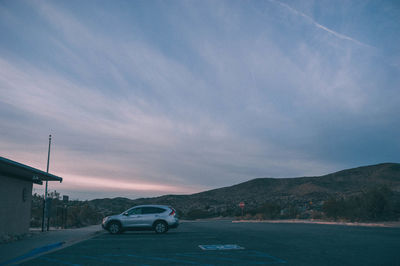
{"x": 311, "y": 20}
{"x": 188, "y": 102}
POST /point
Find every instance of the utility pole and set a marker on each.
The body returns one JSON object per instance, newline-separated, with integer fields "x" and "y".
{"x": 45, "y": 193}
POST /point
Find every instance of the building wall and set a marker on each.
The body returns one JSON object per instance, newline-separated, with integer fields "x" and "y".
{"x": 15, "y": 209}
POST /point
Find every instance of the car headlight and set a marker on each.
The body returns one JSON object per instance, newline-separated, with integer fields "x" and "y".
{"x": 105, "y": 219}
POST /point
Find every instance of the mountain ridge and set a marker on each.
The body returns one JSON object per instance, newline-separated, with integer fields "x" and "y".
{"x": 296, "y": 191}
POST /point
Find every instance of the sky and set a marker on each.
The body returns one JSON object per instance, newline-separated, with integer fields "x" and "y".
{"x": 147, "y": 98}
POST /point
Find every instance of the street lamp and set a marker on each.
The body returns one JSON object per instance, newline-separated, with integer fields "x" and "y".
{"x": 45, "y": 193}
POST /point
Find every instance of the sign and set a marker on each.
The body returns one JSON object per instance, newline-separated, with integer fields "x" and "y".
{"x": 241, "y": 204}
{"x": 65, "y": 198}
{"x": 220, "y": 247}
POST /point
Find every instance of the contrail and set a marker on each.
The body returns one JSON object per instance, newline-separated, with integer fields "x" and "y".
{"x": 310, "y": 19}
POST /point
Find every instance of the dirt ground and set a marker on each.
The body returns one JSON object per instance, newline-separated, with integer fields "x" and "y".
{"x": 374, "y": 224}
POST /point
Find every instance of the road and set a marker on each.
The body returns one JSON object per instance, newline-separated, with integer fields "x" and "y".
{"x": 256, "y": 244}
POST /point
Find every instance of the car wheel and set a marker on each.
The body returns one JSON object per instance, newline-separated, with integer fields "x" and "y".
{"x": 114, "y": 228}
{"x": 160, "y": 227}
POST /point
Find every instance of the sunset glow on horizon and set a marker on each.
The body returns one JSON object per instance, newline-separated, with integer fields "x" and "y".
{"x": 94, "y": 183}
{"x": 114, "y": 187}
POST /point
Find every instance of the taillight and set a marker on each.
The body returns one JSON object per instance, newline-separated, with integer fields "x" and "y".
{"x": 172, "y": 212}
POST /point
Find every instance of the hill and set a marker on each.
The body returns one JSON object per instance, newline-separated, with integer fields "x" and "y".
{"x": 301, "y": 193}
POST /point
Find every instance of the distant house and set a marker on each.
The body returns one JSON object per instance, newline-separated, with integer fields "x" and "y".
{"x": 16, "y": 195}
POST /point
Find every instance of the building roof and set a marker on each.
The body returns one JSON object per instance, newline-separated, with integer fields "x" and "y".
{"x": 21, "y": 171}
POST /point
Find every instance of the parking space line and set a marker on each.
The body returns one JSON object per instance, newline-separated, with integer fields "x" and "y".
{"x": 157, "y": 259}
{"x": 246, "y": 262}
{"x": 58, "y": 261}
{"x": 103, "y": 259}
{"x": 265, "y": 255}
{"x": 99, "y": 258}
{"x": 34, "y": 252}
{"x": 147, "y": 238}
{"x": 250, "y": 255}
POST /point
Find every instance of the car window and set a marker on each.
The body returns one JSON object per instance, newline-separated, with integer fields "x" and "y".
{"x": 160, "y": 210}
{"x": 152, "y": 210}
{"x": 135, "y": 211}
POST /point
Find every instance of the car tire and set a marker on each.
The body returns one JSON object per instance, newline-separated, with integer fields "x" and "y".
{"x": 114, "y": 228}
{"x": 160, "y": 227}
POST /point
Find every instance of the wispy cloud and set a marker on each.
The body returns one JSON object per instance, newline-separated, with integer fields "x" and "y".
{"x": 185, "y": 102}
{"x": 315, "y": 23}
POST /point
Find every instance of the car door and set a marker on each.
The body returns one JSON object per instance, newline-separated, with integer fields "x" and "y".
{"x": 134, "y": 217}
{"x": 151, "y": 214}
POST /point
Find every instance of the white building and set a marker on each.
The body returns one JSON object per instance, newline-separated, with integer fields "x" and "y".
{"x": 16, "y": 182}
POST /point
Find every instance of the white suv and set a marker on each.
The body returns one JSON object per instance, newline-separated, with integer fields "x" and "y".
{"x": 159, "y": 218}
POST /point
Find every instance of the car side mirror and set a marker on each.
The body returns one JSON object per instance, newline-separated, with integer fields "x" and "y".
{"x": 126, "y": 213}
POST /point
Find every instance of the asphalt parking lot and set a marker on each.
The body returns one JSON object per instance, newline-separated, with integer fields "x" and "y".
{"x": 227, "y": 243}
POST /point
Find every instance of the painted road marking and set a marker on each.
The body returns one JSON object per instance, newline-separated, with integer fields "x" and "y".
{"x": 147, "y": 239}
{"x": 33, "y": 253}
{"x": 217, "y": 257}
{"x": 242, "y": 257}
{"x": 220, "y": 247}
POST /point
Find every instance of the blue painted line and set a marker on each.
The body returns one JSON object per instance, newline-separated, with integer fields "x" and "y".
{"x": 98, "y": 258}
{"x": 156, "y": 258}
{"x": 265, "y": 255}
{"x": 103, "y": 259}
{"x": 233, "y": 260}
{"x": 248, "y": 259}
{"x": 34, "y": 252}
{"x": 117, "y": 255}
{"x": 164, "y": 259}
{"x": 58, "y": 261}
